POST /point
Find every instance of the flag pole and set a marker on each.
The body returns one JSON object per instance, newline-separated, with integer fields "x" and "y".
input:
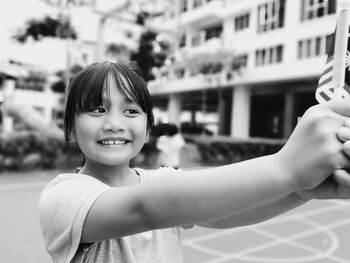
{"x": 340, "y": 49}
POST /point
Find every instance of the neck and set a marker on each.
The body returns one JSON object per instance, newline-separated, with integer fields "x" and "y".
{"x": 112, "y": 175}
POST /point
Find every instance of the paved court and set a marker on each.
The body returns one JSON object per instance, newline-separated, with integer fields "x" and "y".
{"x": 318, "y": 232}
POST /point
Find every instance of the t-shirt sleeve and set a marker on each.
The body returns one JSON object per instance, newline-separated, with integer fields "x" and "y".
{"x": 63, "y": 207}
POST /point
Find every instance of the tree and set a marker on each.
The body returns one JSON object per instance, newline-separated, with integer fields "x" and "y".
{"x": 47, "y": 27}
{"x": 59, "y": 27}
{"x": 118, "y": 52}
{"x": 150, "y": 54}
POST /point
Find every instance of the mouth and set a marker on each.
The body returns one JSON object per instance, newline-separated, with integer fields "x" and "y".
{"x": 113, "y": 141}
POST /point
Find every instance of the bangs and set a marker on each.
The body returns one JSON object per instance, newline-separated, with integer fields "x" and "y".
{"x": 89, "y": 91}
{"x": 130, "y": 85}
{"x": 94, "y": 84}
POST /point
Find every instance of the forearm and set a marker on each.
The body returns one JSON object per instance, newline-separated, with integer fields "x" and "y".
{"x": 195, "y": 197}
{"x": 258, "y": 213}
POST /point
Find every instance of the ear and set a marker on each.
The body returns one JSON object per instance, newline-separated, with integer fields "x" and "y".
{"x": 147, "y": 137}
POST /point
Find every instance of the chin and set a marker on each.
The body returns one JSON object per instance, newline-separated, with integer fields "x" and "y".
{"x": 114, "y": 161}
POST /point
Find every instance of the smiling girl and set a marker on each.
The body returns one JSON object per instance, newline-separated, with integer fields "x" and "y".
{"x": 109, "y": 212}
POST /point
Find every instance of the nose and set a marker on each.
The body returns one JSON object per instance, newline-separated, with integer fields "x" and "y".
{"x": 114, "y": 121}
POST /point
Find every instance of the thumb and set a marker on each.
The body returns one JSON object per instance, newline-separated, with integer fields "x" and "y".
{"x": 340, "y": 106}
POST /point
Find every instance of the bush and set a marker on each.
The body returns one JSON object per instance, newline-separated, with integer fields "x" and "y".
{"x": 216, "y": 151}
{"x": 29, "y": 150}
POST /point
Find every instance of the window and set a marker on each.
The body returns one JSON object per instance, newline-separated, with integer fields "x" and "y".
{"x": 31, "y": 83}
{"x": 182, "y": 42}
{"x": 183, "y": 6}
{"x": 213, "y": 32}
{"x": 311, "y": 9}
{"x": 197, "y": 3}
{"x": 312, "y": 47}
{"x": 271, "y": 15}
{"x": 39, "y": 109}
{"x": 196, "y": 39}
{"x": 85, "y": 58}
{"x": 57, "y": 114}
{"x": 179, "y": 72}
{"x": 271, "y": 55}
{"x": 239, "y": 62}
{"x": 242, "y": 22}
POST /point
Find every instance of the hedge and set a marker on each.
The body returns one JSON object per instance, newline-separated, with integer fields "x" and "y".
{"x": 29, "y": 150}
{"x": 215, "y": 151}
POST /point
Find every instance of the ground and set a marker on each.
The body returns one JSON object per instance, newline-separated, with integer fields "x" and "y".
{"x": 317, "y": 232}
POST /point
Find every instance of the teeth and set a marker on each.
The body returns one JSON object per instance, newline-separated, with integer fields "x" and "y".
{"x": 111, "y": 142}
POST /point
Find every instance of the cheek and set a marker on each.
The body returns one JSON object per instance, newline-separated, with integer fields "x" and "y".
{"x": 83, "y": 129}
{"x": 141, "y": 129}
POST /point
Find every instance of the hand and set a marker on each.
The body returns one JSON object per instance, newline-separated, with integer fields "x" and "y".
{"x": 314, "y": 151}
{"x": 336, "y": 186}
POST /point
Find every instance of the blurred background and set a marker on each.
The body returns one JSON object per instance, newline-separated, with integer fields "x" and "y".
{"x": 232, "y": 75}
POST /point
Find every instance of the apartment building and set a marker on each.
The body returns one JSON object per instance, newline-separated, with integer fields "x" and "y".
{"x": 272, "y": 53}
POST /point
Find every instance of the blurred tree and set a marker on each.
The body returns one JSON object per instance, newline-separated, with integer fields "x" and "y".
{"x": 47, "y": 27}
{"x": 118, "y": 52}
{"x": 59, "y": 27}
{"x": 150, "y": 54}
{"x": 59, "y": 86}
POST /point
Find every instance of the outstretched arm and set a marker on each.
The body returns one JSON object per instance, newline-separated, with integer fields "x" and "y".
{"x": 311, "y": 154}
{"x": 335, "y": 186}
{"x": 258, "y": 213}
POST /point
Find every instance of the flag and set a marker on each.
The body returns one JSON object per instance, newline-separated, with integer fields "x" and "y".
{"x": 335, "y": 78}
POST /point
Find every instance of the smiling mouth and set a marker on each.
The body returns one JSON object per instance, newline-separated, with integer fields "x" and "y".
{"x": 113, "y": 142}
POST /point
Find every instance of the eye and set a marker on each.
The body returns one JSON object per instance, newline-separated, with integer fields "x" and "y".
{"x": 131, "y": 111}
{"x": 99, "y": 109}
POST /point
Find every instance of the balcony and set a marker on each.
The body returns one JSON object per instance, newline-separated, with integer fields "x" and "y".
{"x": 203, "y": 15}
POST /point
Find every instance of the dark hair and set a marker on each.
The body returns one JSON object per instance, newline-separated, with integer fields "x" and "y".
{"x": 86, "y": 88}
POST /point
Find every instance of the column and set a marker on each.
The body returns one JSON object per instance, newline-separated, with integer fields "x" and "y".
{"x": 240, "y": 112}
{"x": 288, "y": 114}
{"x": 224, "y": 111}
{"x": 174, "y": 109}
{"x": 100, "y": 51}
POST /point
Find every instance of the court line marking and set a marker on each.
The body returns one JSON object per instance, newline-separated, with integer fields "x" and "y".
{"x": 339, "y": 204}
{"x": 239, "y": 255}
{"x": 282, "y": 218}
{"x": 296, "y": 236}
{"x": 317, "y": 254}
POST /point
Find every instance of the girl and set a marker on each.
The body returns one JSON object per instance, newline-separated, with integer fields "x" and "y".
{"x": 108, "y": 212}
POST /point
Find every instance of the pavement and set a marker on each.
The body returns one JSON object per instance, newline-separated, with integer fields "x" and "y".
{"x": 317, "y": 232}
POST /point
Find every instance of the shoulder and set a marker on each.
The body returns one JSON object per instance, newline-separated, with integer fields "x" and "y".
{"x": 70, "y": 184}
{"x": 63, "y": 206}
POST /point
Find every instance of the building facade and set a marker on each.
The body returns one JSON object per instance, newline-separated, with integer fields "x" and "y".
{"x": 259, "y": 63}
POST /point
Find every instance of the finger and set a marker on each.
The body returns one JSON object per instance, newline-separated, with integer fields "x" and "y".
{"x": 343, "y": 134}
{"x": 340, "y": 106}
{"x": 346, "y": 148}
{"x": 342, "y": 177}
{"x": 347, "y": 123}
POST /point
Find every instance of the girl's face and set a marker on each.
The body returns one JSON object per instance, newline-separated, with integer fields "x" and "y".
{"x": 112, "y": 133}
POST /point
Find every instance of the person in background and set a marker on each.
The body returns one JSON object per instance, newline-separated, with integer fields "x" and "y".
{"x": 171, "y": 146}
{"x": 110, "y": 212}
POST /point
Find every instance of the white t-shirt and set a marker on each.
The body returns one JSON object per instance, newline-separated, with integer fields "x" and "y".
{"x": 170, "y": 147}
{"x": 63, "y": 206}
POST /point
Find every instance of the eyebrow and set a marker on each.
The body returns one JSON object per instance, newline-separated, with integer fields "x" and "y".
{"x": 125, "y": 100}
